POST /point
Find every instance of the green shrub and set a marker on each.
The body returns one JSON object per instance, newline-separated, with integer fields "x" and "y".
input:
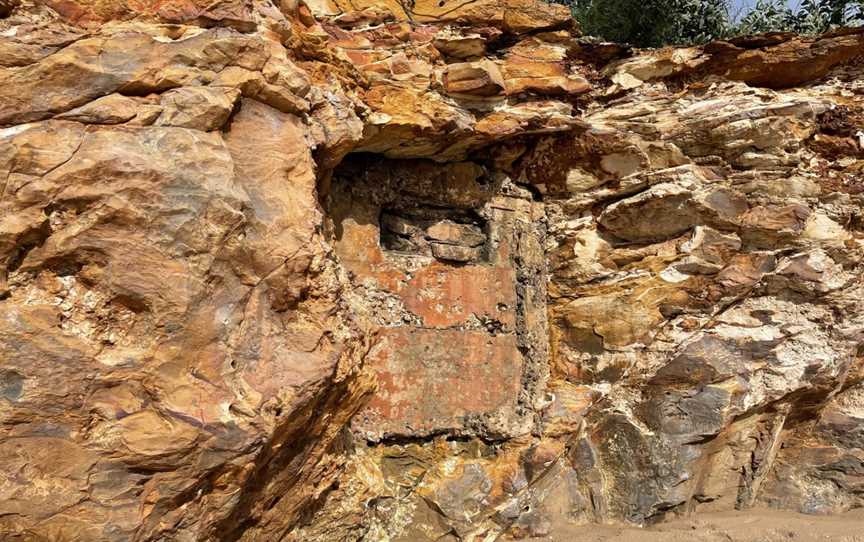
{"x": 813, "y": 17}
{"x": 655, "y": 23}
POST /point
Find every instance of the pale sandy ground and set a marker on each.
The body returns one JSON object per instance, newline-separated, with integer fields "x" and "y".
{"x": 749, "y": 526}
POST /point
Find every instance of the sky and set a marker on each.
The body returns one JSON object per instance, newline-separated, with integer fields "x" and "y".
{"x": 745, "y": 5}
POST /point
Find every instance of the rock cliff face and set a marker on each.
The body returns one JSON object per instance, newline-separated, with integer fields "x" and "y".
{"x": 439, "y": 270}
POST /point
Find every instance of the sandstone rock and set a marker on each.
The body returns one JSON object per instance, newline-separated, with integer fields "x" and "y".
{"x": 372, "y": 15}
{"x": 454, "y": 44}
{"x": 112, "y": 109}
{"x": 516, "y": 16}
{"x": 670, "y": 209}
{"x": 456, "y": 234}
{"x": 389, "y": 271}
{"x": 455, "y": 253}
{"x": 75, "y": 76}
{"x": 231, "y": 12}
{"x": 569, "y": 405}
{"x": 112, "y": 311}
{"x": 783, "y": 62}
{"x": 199, "y": 108}
{"x": 26, "y": 44}
{"x": 473, "y": 79}
{"x": 535, "y": 66}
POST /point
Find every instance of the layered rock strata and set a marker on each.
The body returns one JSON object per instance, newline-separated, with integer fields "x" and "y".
{"x": 376, "y": 270}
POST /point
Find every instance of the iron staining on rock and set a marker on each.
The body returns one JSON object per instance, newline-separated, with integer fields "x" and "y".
{"x": 453, "y": 365}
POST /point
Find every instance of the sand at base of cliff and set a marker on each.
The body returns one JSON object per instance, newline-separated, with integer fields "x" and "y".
{"x": 749, "y": 526}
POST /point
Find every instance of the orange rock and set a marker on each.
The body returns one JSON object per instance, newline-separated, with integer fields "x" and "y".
{"x": 473, "y": 79}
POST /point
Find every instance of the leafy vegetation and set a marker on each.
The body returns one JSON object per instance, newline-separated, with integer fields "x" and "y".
{"x": 654, "y": 23}
{"x": 813, "y": 17}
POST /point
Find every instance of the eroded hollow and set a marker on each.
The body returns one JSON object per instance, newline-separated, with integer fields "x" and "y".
{"x": 448, "y": 258}
{"x": 455, "y": 236}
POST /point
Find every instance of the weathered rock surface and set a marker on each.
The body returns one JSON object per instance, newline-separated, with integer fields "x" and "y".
{"x": 377, "y": 271}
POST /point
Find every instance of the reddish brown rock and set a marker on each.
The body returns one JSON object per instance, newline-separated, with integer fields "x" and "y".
{"x": 432, "y": 381}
